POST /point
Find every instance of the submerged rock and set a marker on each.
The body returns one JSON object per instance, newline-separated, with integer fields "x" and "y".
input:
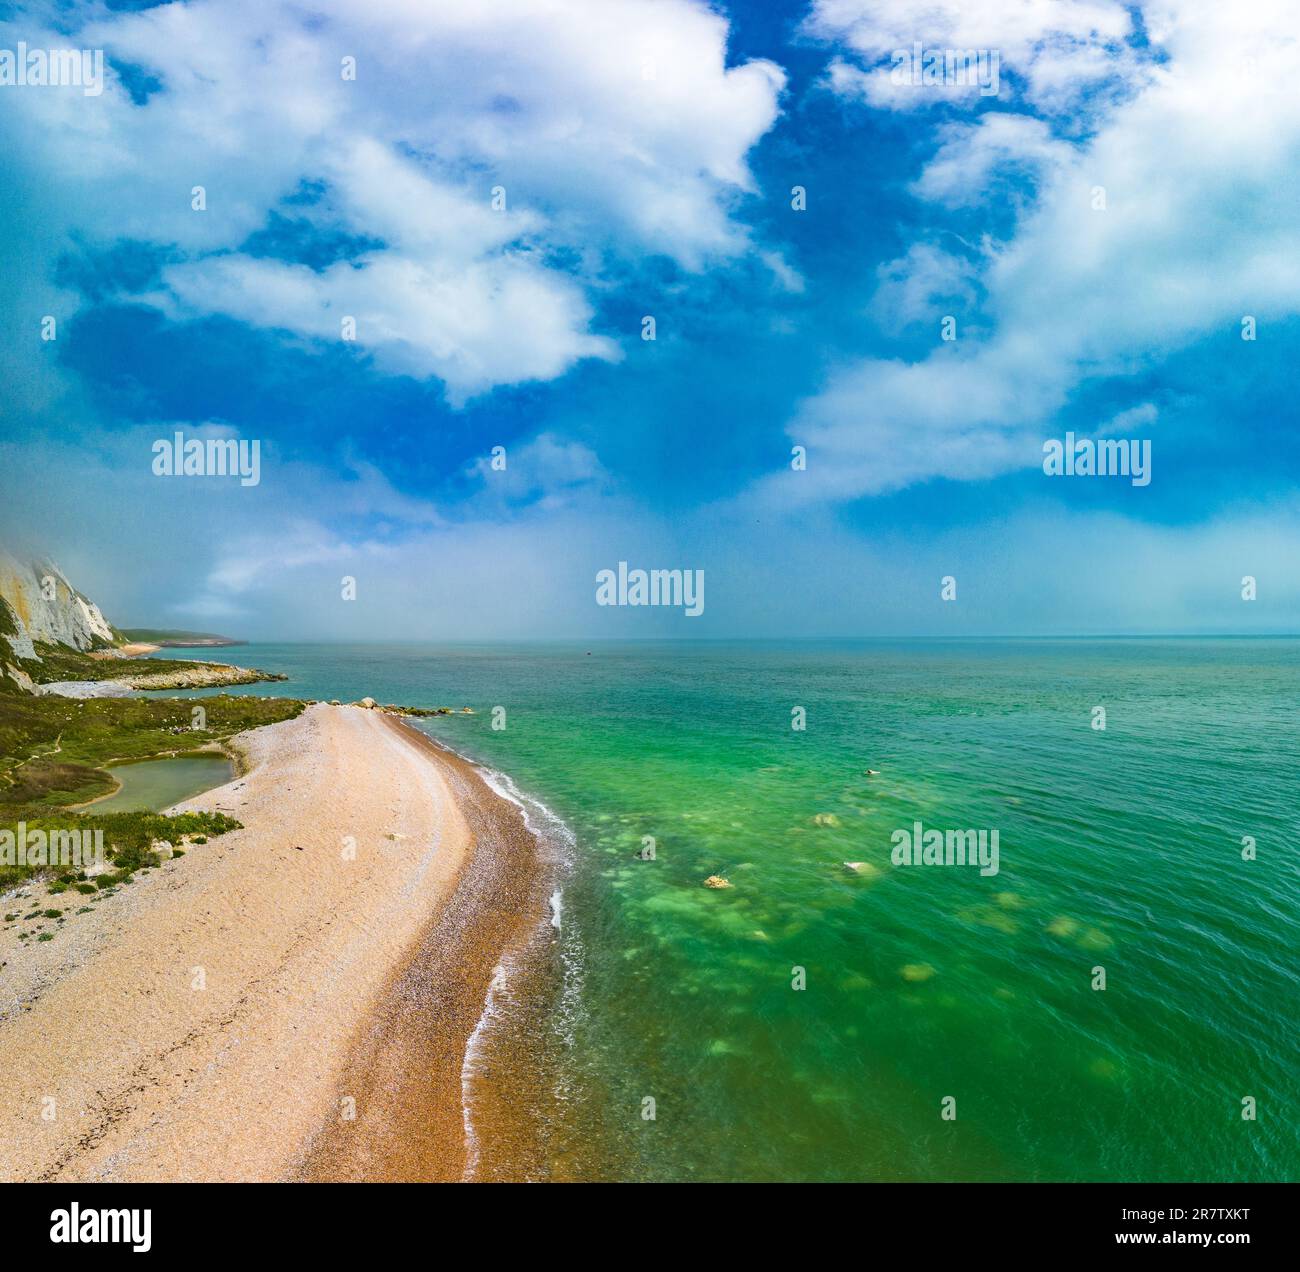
{"x": 716, "y": 881}
{"x": 863, "y": 868}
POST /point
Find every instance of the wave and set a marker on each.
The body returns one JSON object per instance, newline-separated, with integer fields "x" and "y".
{"x": 473, "y": 1050}
{"x": 556, "y": 847}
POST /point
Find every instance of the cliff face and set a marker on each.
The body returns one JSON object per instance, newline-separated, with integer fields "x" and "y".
{"x": 41, "y": 605}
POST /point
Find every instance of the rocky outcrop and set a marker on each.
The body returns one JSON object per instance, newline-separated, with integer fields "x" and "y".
{"x": 197, "y": 676}
{"x": 19, "y": 678}
{"x": 42, "y": 605}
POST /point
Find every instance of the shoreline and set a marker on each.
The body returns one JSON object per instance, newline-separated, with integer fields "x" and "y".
{"x": 265, "y": 1008}
{"x": 407, "y": 1061}
{"x": 199, "y": 675}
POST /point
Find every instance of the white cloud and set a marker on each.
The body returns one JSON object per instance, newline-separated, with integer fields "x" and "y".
{"x": 547, "y": 473}
{"x": 1136, "y": 419}
{"x": 1198, "y": 230}
{"x": 925, "y": 283}
{"x": 500, "y": 320}
{"x": 615, "y": 127}
{"x": 1061, "y": 48}
{"x": 990, "y": 158}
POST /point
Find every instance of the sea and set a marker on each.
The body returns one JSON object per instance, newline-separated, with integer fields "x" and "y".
{"x": 1119, "y": 1000}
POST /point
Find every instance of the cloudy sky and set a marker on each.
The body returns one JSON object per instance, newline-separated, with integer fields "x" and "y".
{"x": 503, "y": 194}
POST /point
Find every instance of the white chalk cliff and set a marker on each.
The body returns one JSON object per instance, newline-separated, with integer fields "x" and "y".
{"x": 45, "y": 607}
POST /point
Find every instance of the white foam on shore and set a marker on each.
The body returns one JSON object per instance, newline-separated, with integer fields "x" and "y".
{"x": 473, "y": 1049}
{"x": 556, "y": 846}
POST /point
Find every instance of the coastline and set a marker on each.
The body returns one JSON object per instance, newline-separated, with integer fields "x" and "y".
{"x": 266, "y": 1008}
{"x": 406, "y": 1060}
{"x": 199, "y": 675}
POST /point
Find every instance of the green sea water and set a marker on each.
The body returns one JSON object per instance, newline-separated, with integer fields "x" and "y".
{"x": 813, "y": 1022}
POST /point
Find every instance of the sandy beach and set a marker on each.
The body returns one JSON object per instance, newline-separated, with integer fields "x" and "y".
{"x": 275, "y": 1005}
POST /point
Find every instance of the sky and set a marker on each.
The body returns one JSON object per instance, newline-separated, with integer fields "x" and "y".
{"x": 874, "y": 301}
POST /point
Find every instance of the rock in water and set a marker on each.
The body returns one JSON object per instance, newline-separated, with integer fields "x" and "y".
{"x": 716, "y": 881}
{"x": 863, "y": 868}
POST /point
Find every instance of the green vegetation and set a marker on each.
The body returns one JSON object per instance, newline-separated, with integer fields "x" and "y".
{"x": 52, "y": 753}
{"x": 128, "y": 846}
{"x": 166, "y": 636}
{"x": 52, "y": 749}
{"x": 58, "y": 662}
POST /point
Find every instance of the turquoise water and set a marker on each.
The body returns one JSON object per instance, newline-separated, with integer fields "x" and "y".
{"x": 1119, "y": 849}
{"x": 152, "y": 785}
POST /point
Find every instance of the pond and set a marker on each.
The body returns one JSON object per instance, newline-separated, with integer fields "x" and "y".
{"x": 152, "y": 785}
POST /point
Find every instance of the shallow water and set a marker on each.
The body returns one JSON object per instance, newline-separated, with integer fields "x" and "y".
{"x": 152, "y": 785}
{"x": 1120, "y": 850}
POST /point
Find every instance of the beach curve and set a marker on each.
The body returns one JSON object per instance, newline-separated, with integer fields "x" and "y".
{"x": 216, "y": 1020}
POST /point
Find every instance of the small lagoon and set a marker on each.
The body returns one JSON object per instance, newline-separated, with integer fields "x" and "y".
{"x": 152, "y": 785}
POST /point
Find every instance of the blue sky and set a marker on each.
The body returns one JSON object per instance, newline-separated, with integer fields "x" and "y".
{"x": 647, "y": 152}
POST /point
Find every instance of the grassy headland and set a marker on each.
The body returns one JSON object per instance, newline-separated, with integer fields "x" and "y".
{"x": 58, "y": 663}
{"x": 169, "y": 637}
